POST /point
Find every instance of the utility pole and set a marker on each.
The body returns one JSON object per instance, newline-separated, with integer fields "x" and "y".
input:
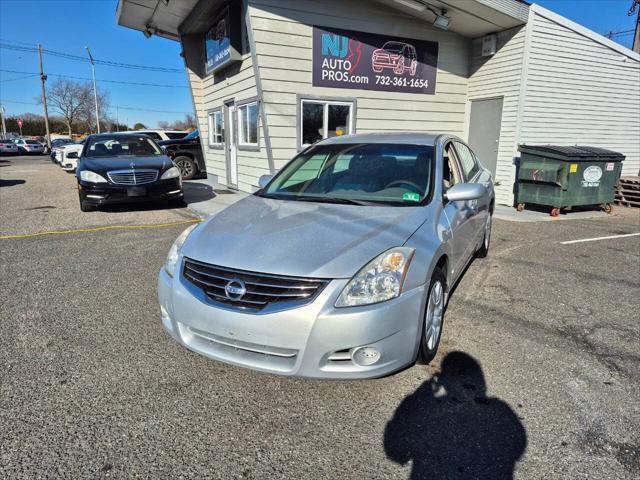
{"x": 117, "y": 120}
{"x": 4, "y": 126}
{"x": 95, "y": 90}
{"x": 43, "y": 77}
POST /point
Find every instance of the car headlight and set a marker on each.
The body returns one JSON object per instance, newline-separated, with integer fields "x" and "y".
{"x": 174, "y": 253}
{"x": 379, "y": 280}
{"x": 93, "y": 177}
{"x": 173, "y": 172}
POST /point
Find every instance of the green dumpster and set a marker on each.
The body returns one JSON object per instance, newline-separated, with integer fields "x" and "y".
{"x": 565, "y": 177}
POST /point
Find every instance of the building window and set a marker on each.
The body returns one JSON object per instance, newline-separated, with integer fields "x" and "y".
{"x": 216, "y": 129}
{"x": 248, "y": 124}
{"x": 324, "y": 119}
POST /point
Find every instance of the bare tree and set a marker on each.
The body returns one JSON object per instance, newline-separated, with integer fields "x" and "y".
{"x": 87, "y": 113}
{"x": 67, "y": 98}
{"x": 189, "y": 123}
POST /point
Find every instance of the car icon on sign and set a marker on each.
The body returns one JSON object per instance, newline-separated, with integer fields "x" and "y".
{"x": 397, "y": 56}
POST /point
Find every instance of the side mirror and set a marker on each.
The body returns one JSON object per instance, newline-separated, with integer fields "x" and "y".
{"x": 465, "y": 191}
{"x": 72, "y": 155}
{"x": 264, "y": 180}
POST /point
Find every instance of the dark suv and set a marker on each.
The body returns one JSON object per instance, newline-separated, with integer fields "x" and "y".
{"x": 187, "y": 154}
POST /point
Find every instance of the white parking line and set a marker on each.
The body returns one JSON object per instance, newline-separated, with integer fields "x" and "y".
{"x": 600, "y": 238}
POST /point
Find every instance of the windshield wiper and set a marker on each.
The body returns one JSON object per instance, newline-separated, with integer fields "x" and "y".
{"x": 333, "y": 200}
{"x": 344, "y": 201}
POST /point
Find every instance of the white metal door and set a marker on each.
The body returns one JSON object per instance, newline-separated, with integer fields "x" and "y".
{"x": 232, "y": 146}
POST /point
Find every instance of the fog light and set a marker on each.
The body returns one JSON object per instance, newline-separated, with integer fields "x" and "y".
{"x": 364, "y": 356}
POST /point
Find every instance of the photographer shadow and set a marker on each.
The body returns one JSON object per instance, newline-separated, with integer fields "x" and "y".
{"x": 449, "y": 428}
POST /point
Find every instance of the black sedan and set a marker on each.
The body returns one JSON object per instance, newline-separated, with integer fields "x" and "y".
{"x": 123, "y": 168}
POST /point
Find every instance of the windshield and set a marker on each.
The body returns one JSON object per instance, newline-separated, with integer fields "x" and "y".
{"x": 33, "y": 142}
{"x": 356, "y": 173}
{"x": 393, "y": 46}
{"x": 192, "y": 135}
{"x": 122, "y": 146}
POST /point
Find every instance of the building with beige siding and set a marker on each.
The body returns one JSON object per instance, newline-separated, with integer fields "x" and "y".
{"x": 269, "y": 77}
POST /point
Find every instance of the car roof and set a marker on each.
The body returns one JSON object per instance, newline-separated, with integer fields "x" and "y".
{"x": 403, "y": 138}
{"x": 116, "y": 134}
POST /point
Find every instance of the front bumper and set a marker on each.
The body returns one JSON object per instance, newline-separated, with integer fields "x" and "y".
{"x": 313, "y": 340}
{"x": 107, "y": 193}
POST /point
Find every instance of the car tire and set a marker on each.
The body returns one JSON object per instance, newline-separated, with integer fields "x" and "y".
{"x": 86, "y": 208}
{"x": 431, "y": 333}
{"x": 187, "y": 167}
{"x": 486, "y": 240}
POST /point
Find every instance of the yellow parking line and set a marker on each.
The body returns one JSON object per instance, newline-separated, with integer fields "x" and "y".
{"x": 98, "y": 229}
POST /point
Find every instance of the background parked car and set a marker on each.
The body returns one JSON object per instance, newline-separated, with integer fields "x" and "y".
{"x": 7, "y": 147}
{"x": 161, "y": 135}
{"x": 27, "y": 147}
{"x": 58, "y": 142}
{"x": 187, "y": 155}
{"x": 58, "y": 153}
{"x": 69, "y": 162}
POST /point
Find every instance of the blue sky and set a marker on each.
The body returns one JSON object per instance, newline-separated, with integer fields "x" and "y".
{"x": 68, "y": 25}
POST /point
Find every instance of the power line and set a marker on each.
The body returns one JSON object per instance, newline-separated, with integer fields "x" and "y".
{"x": 77, "y": 58}
{"x": 107, "y": 81}
{"x": 19, "y": 78}
{"x": 119, "y": 106}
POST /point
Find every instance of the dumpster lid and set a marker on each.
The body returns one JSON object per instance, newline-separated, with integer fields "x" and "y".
{"x": 576, "y": 151}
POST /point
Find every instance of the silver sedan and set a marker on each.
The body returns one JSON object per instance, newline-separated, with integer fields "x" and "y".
{"x": 340, "y": 266}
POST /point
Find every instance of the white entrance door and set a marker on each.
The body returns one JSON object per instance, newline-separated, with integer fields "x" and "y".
{"x": 232, "y": 146}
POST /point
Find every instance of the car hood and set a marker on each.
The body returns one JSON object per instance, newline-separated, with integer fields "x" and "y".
{"x": 102, "y": 164}
{"x": 304, "y": 239}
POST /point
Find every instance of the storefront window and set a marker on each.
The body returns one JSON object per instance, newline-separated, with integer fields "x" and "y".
{"x": 324, "y": 119}
{"x": 248, "y": 124}
{"x": 312, "y": 122}
{"x": 216, "y": 128}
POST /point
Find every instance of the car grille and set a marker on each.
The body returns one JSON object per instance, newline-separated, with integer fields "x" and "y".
{"x": 261, "y": 289}
{"x": 132, "y": 177}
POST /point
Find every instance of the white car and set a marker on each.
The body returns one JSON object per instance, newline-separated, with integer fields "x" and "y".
{"x": 58, "y": 154}
{"x": 70, "y": 164}
{"x": 8, "y": 147}
{"x": 26, "y": 147}
{"x": 159, "y": 135}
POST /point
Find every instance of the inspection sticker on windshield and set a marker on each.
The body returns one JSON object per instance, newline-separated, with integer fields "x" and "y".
{"x": 411, "y": 197}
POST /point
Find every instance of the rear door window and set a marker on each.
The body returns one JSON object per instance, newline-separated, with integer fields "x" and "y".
{"x": 467, "y": 160}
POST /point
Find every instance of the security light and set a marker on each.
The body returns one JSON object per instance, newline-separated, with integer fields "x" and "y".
{"x": 442, "y": 21}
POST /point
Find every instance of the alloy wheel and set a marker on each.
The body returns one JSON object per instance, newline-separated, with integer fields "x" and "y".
{"x": 487, "y": 233}
{"x": 434, "y": 315}
{"x": 185, "y": 167}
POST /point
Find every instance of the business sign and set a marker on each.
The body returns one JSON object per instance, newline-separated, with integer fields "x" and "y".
{"x": 368, "y": 61}
{"x": 221, "y": 40}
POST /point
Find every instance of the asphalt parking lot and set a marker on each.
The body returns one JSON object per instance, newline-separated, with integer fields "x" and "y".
{"x": 538, "y": 374}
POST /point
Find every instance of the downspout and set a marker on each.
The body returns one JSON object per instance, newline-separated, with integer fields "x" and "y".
{"x": 256, "y": 74}
{"x": 522, "y": 94}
